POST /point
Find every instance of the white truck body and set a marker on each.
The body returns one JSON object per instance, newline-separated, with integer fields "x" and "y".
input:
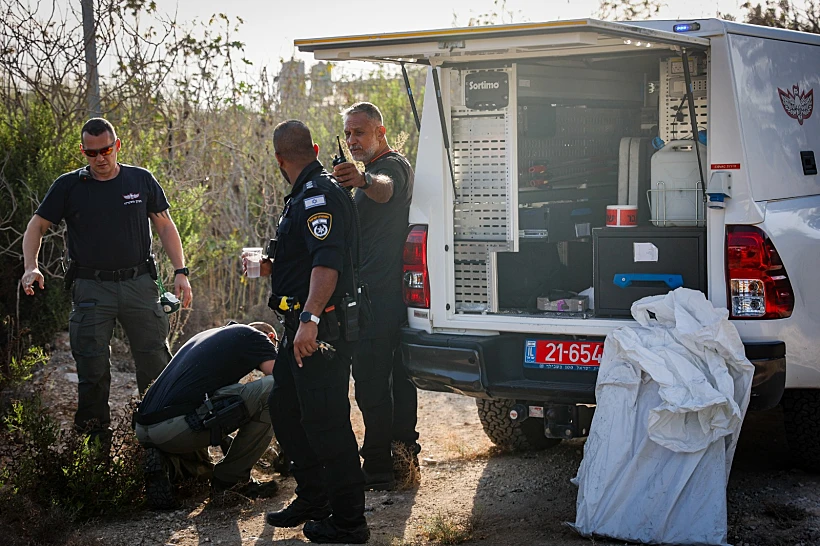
{"x": 752, "y": 90}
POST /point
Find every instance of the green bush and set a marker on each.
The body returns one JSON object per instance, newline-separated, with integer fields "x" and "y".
{"x": 16, "y": 363}
{"x": 33, "y": 156}
{"x": 48, "y": 466}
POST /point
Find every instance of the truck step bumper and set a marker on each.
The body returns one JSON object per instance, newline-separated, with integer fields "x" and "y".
{"x": 459, "y": 364}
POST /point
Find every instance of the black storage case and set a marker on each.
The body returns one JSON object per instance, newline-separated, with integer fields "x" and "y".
{"x": 681, "y": 251}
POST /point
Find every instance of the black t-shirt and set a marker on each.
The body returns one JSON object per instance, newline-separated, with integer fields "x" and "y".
{"x": 107, "y": 221}
{"x": 315, "y": 229}
{"x": 209, "y": 361}
{"x": 384, "y": 231}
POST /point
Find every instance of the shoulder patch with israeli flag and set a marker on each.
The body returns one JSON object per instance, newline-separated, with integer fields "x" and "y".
{"x": 319, "y": 225}
{"x": 317, "y": 201}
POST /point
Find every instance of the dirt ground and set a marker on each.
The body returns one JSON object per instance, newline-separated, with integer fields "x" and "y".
{"x": 468, "y": 488}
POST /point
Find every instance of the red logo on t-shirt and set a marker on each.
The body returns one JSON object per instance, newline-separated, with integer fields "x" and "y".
{"x": 797, "y": 104}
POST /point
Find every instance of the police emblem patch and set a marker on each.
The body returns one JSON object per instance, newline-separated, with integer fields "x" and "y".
{"x": 319, "y": 225}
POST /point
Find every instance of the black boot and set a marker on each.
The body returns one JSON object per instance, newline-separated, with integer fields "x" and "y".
{"x": 298, "y": 512}
{"x": 158, "y": 489}
{"x": 379, "y": 481}
{"x": 327, "y": 532}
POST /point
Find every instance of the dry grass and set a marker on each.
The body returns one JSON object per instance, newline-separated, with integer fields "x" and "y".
{"x": 393, "y": 541}
{"x": 443, "y": 529}
{"x": 457, "y": 449}
{"x": 405, "y": 467}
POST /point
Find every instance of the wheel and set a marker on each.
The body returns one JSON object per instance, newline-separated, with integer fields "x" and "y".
{"x": 527, "y": 435}
{"x": 801, "y": 416}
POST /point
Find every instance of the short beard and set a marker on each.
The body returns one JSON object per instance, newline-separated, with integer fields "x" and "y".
{"x": 366, "y": 155}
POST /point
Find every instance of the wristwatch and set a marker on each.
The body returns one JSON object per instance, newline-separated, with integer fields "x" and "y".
{"x": 183, "y": 271}
{"x": 307, "y": 316}
{"x": 368, "y": 181}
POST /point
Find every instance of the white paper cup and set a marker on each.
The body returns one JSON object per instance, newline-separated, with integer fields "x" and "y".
{"x": 253, "y": 258}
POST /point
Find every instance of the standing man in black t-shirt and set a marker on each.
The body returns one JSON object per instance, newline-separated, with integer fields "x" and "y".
{"x": 107, "y": 207}
{"x": 311, "y": 275}
{"x": 198, "y": 400}
{"x": 384, "y": 392}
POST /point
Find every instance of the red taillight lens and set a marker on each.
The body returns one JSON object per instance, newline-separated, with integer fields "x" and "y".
{"x": 415, "y": 279}
{"x": 757, "y": 281}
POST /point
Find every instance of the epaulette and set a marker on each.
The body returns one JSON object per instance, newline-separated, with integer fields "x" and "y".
{"x": 313, "y": 187}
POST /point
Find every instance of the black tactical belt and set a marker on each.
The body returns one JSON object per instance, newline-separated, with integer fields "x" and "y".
{"x": 118, "y": 275}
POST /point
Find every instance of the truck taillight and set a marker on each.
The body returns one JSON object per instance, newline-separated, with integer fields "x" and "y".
{"x": 415, "y": 279}
{"x": 758, "y": 284}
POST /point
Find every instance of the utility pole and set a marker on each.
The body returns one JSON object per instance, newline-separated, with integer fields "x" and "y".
{"x": 92, "y": 76}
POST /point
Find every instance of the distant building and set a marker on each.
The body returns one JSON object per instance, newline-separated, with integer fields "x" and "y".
{"x": 291, "y": 81}
{"x": 321, "y": 85}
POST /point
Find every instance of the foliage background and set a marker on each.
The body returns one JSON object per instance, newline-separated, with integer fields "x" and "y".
{"x": 188, "y": 107}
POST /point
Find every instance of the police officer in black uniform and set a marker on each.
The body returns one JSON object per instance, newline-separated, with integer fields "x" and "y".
{"x": 311, "y": 277}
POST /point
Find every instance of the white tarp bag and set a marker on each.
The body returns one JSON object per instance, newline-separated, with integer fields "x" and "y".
{"x": 671, "y": 397}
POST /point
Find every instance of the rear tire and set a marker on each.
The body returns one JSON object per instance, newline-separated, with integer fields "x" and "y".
{"x": 504, "y": 432}
{"x": 801, "y": 416}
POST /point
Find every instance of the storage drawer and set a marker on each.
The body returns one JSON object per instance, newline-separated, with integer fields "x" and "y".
{"x": 632, "y": 263}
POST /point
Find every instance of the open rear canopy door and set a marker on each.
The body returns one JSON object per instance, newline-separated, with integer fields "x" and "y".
{"x": 515, "y": 41}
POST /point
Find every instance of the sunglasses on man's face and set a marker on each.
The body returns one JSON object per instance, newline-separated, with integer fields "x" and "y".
{"x": 101, "y": 151}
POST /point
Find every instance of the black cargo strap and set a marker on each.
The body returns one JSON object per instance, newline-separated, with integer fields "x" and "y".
{"x": 119, "y": 275}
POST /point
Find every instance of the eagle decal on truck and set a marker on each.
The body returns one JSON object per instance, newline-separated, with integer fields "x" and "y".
{"x": 797, "y": 104}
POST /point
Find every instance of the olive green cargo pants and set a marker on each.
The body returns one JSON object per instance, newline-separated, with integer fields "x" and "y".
{"x": 174, "y": 436}
{"x": 96, "y": 305}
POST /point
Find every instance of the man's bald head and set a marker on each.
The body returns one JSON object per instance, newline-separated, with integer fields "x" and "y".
{"x": 292, "y": 141}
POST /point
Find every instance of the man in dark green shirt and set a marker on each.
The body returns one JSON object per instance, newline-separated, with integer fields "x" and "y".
{"x": 385, "y": 394}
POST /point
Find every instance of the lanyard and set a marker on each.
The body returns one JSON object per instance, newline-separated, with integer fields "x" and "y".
{"x": 387, "y": 151}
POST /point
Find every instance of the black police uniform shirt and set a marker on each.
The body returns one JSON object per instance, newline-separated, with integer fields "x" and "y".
{"x": 107, "y": 220}
{"x": 314, "y": 230}
{"x": 209, "y": 361}
{"x": 384, "y": 230}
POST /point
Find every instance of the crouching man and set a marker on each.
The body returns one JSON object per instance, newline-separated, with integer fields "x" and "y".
{"x": 198, "y": 401}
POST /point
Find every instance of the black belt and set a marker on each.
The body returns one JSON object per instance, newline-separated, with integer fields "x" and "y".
{"x": 119, "y": 275}
{"x": 168, "y": 412}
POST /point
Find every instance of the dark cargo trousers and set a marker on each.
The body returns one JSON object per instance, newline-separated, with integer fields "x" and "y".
{"x": 387, "y": 399}
{"x": 175, "y": 438}
{"x": 96, "y": 305}
{"x": 310, "y": 412}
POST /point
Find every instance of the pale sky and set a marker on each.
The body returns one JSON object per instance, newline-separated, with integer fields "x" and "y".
{"x": 271, "y": 25}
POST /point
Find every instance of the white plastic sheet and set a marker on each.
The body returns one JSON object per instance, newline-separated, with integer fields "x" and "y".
{"x": 671, "y": 396}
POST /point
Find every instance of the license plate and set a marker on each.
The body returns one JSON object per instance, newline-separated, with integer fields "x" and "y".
{"x": 548, "y": 354}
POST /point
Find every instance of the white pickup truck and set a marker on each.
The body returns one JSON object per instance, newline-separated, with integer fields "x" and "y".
{"x": 701, "y": 132}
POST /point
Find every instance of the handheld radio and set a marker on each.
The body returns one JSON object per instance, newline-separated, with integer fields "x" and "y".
{"x": 339, "y": 159}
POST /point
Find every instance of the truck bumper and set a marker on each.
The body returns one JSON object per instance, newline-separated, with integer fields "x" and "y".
{"x": 492, "y": 367}
{"x": 489, "y": 367}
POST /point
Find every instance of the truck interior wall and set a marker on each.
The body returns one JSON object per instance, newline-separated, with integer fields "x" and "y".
{"x": 571, "y": 121}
